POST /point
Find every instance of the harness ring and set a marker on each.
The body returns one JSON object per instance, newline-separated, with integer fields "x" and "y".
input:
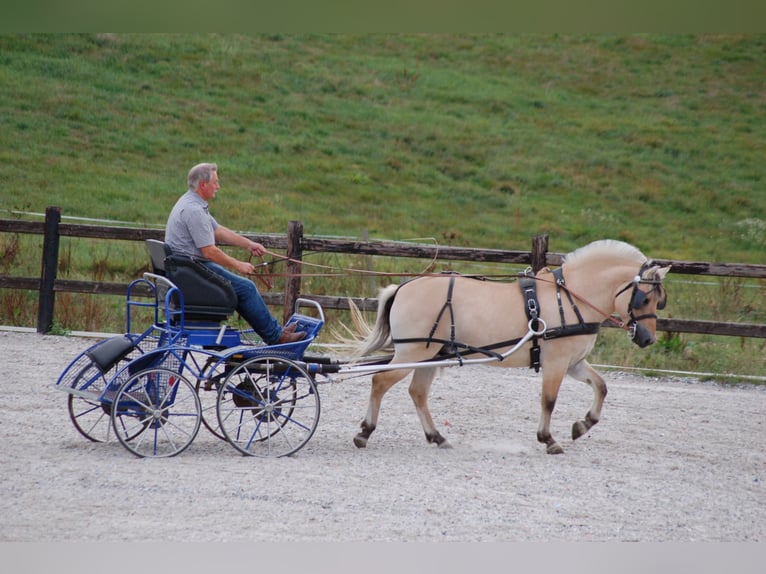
{"x": 539, "y": 332}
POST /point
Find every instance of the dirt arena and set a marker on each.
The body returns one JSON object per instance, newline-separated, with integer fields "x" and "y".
{"x": 672, "y": 460}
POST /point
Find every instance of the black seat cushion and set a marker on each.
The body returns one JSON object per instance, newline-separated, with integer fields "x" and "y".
{"x": 111, "y": 351}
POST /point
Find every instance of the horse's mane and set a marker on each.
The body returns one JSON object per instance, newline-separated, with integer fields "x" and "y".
{"x": 605, "y": 248}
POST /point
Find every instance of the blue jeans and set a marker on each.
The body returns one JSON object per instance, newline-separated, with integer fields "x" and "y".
{"x": 250, "y": 305}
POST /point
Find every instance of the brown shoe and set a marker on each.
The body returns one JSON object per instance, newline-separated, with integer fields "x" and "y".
{"x": 288, "y": 336}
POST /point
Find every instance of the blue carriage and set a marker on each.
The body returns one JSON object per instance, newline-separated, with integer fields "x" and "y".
{"x": 153, "y": 389}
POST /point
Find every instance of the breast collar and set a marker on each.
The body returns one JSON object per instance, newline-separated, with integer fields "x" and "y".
{"x": 528, "y": 285}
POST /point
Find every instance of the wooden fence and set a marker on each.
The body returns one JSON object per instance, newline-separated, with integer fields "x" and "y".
{"x": 295, "y": 243}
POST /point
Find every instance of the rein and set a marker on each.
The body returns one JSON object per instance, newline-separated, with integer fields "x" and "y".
{"x": 637, "y": 299}
{"x": 277, "y": 258}
{"x": 572, "y": 294}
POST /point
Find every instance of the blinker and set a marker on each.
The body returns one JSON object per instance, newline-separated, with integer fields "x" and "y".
{"x": 639, "y": 299}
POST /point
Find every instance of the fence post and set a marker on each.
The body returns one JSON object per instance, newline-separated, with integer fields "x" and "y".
{"x": 369, "y": 267}
{"x": 47, "y": 297}
{"x": 293, "y": 267}
{"x": 539, "y": 249}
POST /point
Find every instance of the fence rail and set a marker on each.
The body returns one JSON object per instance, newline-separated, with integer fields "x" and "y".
{"x": 295, "y": 243}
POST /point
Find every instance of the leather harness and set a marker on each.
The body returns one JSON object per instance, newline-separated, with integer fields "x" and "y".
{"x": 528, "y": 285}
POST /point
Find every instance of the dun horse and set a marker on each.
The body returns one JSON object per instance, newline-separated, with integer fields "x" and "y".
{"x": 434, "y": 317}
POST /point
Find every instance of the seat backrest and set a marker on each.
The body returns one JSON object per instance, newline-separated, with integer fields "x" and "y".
{"x": 207, "y": 295}
{"x": 158, "y": 251}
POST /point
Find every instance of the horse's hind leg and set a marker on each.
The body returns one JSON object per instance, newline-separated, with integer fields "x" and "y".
{"x": 582, "y": 371}
{"x": 381, "y": 382}
{"x": 419, "y": 389}
{"x": 552, "y": 377}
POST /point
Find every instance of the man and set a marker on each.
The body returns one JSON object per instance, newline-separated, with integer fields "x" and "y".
{"x": 191, "y": 230}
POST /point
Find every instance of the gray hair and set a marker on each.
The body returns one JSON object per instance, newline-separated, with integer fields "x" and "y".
{"x": 199, "y": 173}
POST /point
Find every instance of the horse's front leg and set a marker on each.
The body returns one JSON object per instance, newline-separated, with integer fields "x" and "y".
{"x": 552, "y": 377}
{"x": 419, "y": 389}
{"x": 381, "y": 382}
{"x": 582, "y": 371}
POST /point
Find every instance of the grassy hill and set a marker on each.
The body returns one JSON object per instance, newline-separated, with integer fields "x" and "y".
{"x": 478, "y": 140}
{"x": 658, "y": 140}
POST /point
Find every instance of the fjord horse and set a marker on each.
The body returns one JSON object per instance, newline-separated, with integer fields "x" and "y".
{"x": 452, "y": 315}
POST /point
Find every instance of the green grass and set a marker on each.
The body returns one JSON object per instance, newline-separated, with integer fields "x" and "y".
{"x": 473, "y": 140}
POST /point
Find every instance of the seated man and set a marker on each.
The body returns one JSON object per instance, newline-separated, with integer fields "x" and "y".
{"x": 191, "y": 230}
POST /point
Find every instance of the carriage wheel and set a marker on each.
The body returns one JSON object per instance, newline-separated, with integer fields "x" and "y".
{"x": 89, "y": 415}
{"x": 268, "y": 407}
{"x": 156, "y": 413}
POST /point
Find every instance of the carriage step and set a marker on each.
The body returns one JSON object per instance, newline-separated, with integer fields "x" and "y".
{"x": 86, "y": 394}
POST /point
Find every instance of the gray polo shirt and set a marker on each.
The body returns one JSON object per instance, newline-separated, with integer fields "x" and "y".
{"x": 190, "y": 226}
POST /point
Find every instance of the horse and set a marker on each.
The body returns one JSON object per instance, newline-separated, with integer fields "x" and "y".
{"x": 554, "y": 315}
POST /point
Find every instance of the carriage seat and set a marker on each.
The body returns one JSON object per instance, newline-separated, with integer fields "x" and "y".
{"x": 207, "y": 295}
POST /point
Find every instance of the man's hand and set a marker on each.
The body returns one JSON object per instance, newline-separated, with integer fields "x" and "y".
{"x": 256, "y": 249}
{"x": 244, "y": 267}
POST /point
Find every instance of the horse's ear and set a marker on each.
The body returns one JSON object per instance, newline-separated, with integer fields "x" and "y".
{"x": 662, "y": 271}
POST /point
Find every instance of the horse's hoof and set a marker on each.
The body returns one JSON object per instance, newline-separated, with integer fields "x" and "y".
{"x": 360, "y": 441}
{"x": 445, "y": 444}
{"x": 554, "y": 448}
{"x": 578, "y": 429}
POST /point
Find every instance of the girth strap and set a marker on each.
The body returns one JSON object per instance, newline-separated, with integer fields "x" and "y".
{"x": 528, "y": 286}
{"x": 447, "y": 305}
{"x": 451, "y": 345}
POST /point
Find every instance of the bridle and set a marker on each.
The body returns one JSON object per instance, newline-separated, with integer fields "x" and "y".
{"x": 638, "y": 299}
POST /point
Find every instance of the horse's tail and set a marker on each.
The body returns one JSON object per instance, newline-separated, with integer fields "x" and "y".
{"x": 380, "y": 335}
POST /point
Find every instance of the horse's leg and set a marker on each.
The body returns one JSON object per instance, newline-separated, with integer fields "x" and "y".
{"x": 419, "y": 389}
{"x": 381, "y": 382}
{"x": 552, "y": 377}
{"x": 582, "y": 371}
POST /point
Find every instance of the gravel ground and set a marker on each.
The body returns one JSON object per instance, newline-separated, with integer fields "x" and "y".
{"x": 671, "y": 460}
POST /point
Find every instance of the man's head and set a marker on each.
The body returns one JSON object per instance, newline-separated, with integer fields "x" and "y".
{"x": 203, "y": 180}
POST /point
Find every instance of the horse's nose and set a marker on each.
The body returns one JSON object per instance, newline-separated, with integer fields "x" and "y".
{"x": 643, "y": 337}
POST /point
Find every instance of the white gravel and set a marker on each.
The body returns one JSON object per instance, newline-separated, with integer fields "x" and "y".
{"x": 671, "y": 460}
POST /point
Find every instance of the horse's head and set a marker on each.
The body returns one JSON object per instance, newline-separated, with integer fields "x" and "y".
{"x": 641, "y": 298}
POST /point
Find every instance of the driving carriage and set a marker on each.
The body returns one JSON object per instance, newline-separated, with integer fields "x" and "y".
{"x": 151, "y": 389}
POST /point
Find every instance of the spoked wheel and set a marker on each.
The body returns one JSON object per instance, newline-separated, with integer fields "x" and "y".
{"x": 156, "y": 413}
{"x": 268, "y": 407}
